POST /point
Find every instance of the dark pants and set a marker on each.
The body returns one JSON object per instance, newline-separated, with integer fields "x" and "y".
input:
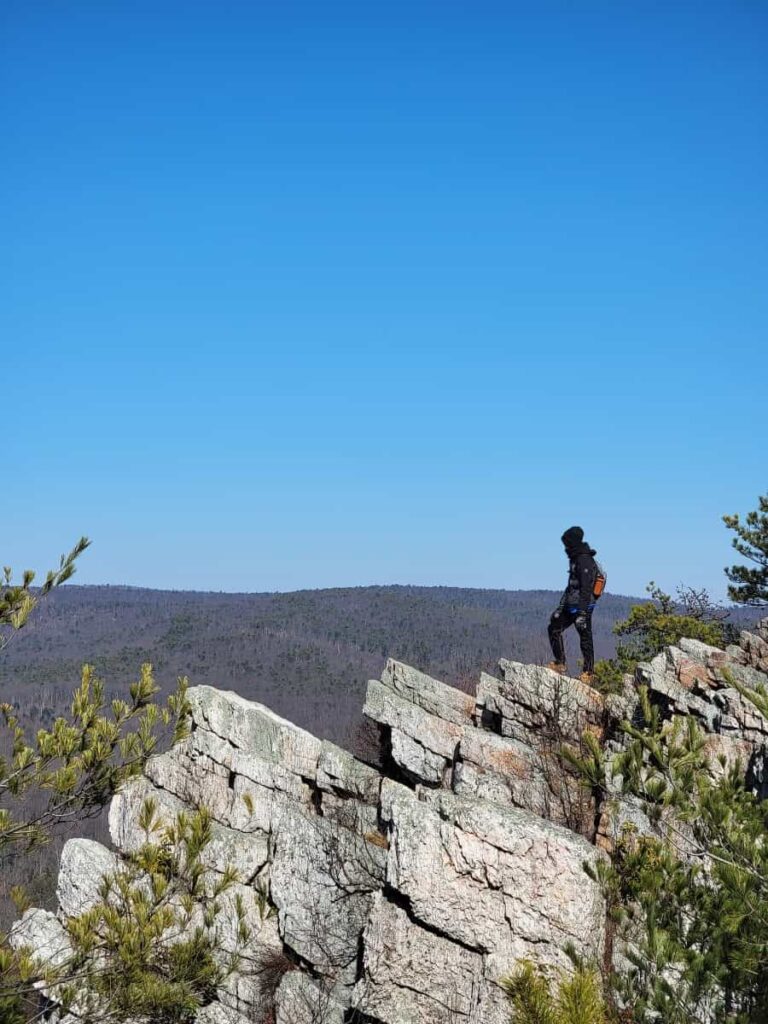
{"x": 562, "y": 619}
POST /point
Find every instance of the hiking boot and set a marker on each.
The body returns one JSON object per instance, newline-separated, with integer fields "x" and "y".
{"x": 557, "y": 666}
{"x": 588, "y": 678}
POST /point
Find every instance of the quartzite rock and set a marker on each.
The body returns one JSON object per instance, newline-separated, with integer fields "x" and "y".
{"x": 413, "y": 976}
{"x": 531, "y": 698}
{"x": 495, "y": 879}
{"x": 300, "y": 1000}
{"x": 84, "y": 864}
{"x": 422, "y": 744}
{"x": 408, "y": 900}
{"x": 446, "y": 702}
{"x": 43, "y": 933}
{"x": 255, "y": 729}
{"x": 323, "y": 878}
{"x": 246, "y": 852}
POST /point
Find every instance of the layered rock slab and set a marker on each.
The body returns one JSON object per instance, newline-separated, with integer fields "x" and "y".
{"x": 323, "y": 880}
{"x": 497, "y": 880}
{"x": 414, "y": 976}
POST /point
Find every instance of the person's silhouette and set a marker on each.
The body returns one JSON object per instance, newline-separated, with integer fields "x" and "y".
{"x": 576, "y": 604}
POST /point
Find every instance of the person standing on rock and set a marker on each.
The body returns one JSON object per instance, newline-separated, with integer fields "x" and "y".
{"x": 585, "y": 584}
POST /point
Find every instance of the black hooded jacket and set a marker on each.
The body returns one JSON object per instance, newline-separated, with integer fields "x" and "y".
{"x": 582, "y": 571}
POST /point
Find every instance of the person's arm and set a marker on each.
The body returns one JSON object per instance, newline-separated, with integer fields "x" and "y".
{"x": 585, "y": 569}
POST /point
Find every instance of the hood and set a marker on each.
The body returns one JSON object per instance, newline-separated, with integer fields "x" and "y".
{"x": 573, "y": 542}
{"x": 572, "y": 539}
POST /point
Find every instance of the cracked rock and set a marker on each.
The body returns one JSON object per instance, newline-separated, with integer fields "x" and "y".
{"x": 423, "y": 745}
{"x": 323, "y": 879}
{"x": 497, "y": 880}
{"x": 413, "y": 976}
{"x": 299, "y": 1000}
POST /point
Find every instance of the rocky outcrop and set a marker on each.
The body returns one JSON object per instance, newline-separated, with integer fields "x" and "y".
{"x": 404, "y": 894}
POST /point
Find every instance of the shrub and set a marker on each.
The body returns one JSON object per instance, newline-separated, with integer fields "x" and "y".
{"x": 575, "y": 1000}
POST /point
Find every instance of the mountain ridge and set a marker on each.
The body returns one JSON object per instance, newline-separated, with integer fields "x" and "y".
{"x": 306, "y": 653}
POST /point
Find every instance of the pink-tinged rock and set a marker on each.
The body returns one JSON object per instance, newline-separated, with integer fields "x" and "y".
{"x": 691, "y": 672}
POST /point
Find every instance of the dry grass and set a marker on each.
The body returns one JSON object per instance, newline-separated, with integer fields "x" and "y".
{"x": 377, "y": 839}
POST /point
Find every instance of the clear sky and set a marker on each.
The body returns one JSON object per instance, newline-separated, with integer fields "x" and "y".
{"x": 317, "y": 294}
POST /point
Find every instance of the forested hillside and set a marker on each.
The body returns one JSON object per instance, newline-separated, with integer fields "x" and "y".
{"x": 307, "y": 654}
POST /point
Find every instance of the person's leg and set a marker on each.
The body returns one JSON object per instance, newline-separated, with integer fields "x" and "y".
{"x": 587, "y": 644}
{"x": 561, "y": 619}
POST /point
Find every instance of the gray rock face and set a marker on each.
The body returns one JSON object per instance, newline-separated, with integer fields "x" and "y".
{"x": 247, "y": 852}
{"x": 323, "y": 880}
{"x": 43, "y": 933}
{"x": 340, "y": 772}
{"x": 422, "y": 744}
{"x": 412, "y": 976}
{"x": 84, "y": 863}
{"x": 499, "y": 769}
{"x": 495, "y": 879}
{"x": 432, "y": 696}
{"x": 248, "y": 989}
{"x": 529, "y": 699}
{"x": 299, "y": 1000}
{"x": 216, "y": 1013}
{"x": 409, "y": 898}
{"x": 255, "y": 729}
{"x": 754, "y": 646}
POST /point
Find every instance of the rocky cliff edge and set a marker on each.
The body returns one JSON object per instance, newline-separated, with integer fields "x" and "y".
{"x": 404, "y": 893}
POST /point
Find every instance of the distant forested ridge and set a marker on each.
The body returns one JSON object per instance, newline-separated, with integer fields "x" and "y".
{"x": 306, "y": 654}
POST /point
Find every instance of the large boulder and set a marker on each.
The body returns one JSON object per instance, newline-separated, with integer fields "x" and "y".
{"x": 432, "y": 696}
{"x": 414, "y": 976}
{"x": 242, "y": 789}
{"x": 84, "y": 866}
{"x": 422, "y": 744}
{"x": 495, "y": 879}
{"x": 41, "y": 932}
{"x": 530, "y": 700}
{"x": 252, "y": 727}
{"x": 323, "y": 879}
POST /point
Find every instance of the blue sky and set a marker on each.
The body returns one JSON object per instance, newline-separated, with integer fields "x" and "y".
{"x": 299, "y": 294}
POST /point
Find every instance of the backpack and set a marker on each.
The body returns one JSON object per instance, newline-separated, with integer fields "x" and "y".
{"x": 600, "y": 581}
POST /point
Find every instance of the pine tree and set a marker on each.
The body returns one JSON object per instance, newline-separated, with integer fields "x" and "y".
{"x": 152, "y": 948}
{"x": 74, "y": 767}
{"x": 17, "y": 600}
{"x": 749, "y": 584}
{"x": 81, "y": 760}
{"x": 691, "y": 905}
{"x": 577, "y": 999}
{"x": 661, "y": 622}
